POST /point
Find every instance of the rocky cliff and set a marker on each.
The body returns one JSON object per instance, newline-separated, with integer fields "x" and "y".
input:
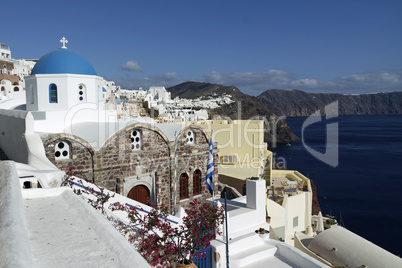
{"x": 299, "y": 103}
{"x": 244, "y": 107}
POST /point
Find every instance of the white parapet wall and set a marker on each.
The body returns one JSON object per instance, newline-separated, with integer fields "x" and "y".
{"x": 247, "y": 212}
{"x": 20, "y": 144}
{"x": 15, "y": 247}
{"x": 13, "y": 126}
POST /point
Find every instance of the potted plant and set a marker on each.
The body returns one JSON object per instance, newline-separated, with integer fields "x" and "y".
{"x": 164, "y": 243}
{"x": 262, "y": 232}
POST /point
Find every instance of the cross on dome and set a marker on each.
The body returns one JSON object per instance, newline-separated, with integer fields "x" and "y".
{"x": 64, "y": 41}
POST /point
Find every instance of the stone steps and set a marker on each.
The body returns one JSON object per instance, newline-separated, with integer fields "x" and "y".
{"x": 247, "y": 249}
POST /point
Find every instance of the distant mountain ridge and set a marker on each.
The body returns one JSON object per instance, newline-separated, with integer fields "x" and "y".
{"x": 273, "y": 103}
{"x": 300, "y": 103}
{"x": 294, "y": 102}
{"x": 245, "y": 107}
{"x": 251, "y": 105}
{"x": 192, "y": 90}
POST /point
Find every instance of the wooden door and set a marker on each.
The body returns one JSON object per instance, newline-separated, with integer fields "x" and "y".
{"x": 183, "y": 186}
{"x": 139, "y": 193}
{"x": 197, "y": 182}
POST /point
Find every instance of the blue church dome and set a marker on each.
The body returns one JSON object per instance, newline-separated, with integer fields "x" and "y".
{"x": 63, "y": 61}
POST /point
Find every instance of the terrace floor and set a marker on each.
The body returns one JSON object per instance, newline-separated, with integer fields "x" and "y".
{"x": 65, "y": 232}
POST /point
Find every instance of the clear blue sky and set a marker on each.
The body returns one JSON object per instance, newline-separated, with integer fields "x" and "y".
{"x": 317, "y": 46}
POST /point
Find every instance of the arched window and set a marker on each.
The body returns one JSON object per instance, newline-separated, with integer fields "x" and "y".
{"x": 52, "y": 93}
{"x": 196, "y": 182}
{"x": 183, "y": 186}
{"x": 16, "y": 89}
{"x": 3, "y": 89}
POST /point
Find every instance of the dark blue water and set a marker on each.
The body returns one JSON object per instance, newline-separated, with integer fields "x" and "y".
{"x": 365, "y": 189}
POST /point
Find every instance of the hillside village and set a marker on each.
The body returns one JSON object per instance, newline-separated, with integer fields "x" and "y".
{"x": 142, "y": 147}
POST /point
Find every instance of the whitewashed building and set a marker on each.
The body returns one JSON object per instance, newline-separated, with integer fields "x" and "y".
{"x": 60, "y": 80}
{"x": 12, "y": 81}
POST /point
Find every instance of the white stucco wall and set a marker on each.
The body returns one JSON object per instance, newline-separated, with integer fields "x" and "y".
{"x": 298, "y": 206}
{"x": 15, "y": 247}
{"x": 67, "y": 90}
{"x": 295, "y": 207}
{"x": 247, "y": 212}
{"x": 38, "y": 160}
{"x": 277, "y": 214}
{"x": 13, "y": 125}
{"x": 22, "y": 145}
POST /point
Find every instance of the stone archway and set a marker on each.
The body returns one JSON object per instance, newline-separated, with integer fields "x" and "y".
{"x": 140, "y": 193}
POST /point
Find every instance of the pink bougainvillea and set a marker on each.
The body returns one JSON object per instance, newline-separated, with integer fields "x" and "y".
{"x": 162, "y": 243}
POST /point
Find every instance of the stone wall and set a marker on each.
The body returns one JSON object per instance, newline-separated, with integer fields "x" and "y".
{"x": 116, "y": 161}
{"x": 191, "y": 157}
{"x": 81, "y": 158}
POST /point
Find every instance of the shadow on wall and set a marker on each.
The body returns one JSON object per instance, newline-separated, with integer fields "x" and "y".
{"x": 3, "y": 156}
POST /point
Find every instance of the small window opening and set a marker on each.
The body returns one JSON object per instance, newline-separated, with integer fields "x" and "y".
{"x": 136, "y": 140}
{"x": 62, "y": 150}
{"x": 81, "y": 93}
{"x": 27, "y": 184}
{"x": 190, "y": 137}
{"x": 295, "y": 221}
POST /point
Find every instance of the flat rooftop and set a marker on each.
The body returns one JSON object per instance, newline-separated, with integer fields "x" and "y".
{"x": 65, "y": 231}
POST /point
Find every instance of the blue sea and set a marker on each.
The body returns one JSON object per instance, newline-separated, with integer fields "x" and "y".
{"x": 364, "y": 191}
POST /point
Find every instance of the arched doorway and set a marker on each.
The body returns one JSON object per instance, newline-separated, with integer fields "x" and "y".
{"x": 139, "y": 193}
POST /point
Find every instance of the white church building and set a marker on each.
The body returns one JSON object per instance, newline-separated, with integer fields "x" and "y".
{"x": 60, "y": 80}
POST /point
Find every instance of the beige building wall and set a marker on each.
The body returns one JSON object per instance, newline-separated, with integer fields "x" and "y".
{"x": 242, "y": 151}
